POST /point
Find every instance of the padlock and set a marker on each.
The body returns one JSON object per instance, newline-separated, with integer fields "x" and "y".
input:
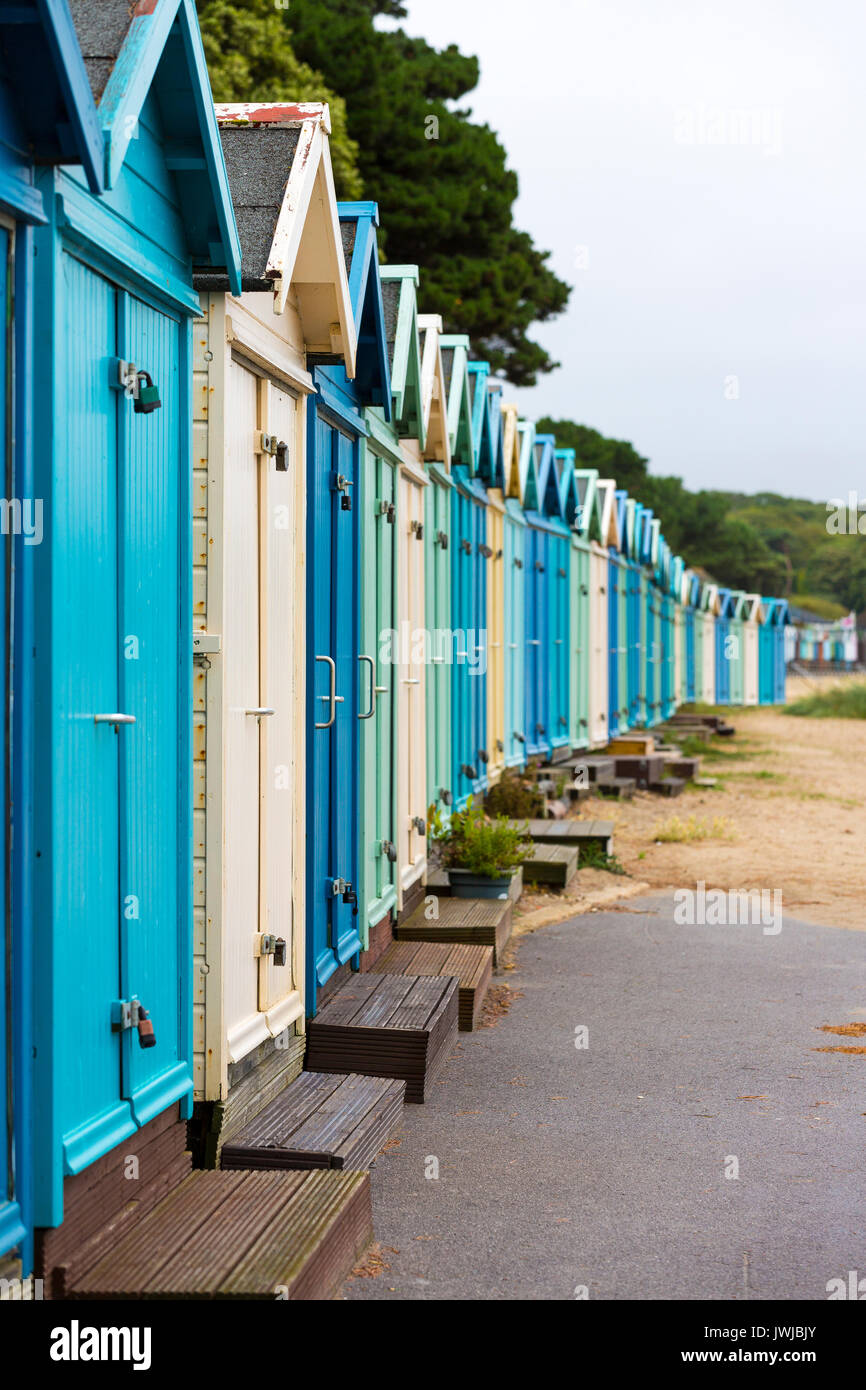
{"x": 389, "y": 849}
{"x": 146, "y": 1035}
{"x": 282, "y": 464}
{"x": 446, "y": 796}
{"x": 420, "y": 825}
{"x": 148, "y": 395}
{"x": 345, "y": 502}
{"x": 483, "y": 755}
{"x": 280, "y": 951}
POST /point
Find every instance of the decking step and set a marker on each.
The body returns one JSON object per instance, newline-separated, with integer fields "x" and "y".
{"x": 617, "y": 788}
{"x": 631, "y": 745}
{"x": 572, "y": 832}
{"x": 400, "y": 1026}
{"x": 596, "y": 765}
{"x": 552, "y": 864}
{"x": 265, "y": 1235}
{"x": 479, "y": 921}
{"x": 473, "y": 966}
{"x": 685, "y": 767}
{"x": 321, "y": 1120}
{"x": 669, "y": 786}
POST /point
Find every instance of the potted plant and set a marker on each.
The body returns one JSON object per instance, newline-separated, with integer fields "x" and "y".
{"x": 480, "y": 853}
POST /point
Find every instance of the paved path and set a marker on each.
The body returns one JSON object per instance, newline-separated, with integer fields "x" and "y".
{"x": 604, "y": 1167}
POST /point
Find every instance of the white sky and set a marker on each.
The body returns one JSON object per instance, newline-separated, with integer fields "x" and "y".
{"x": 699, "y": 251}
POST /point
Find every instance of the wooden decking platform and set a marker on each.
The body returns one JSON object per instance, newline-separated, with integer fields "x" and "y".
{"x": 616, "y": 788}
{"x": 555, "y": 865}
{"x": 400, "y": 1026}
{"x": 290, "y": 1235}
{"x": 477, "y": 921}
{"x": 473, "y": 966}
{"x": 572, "y": 832}
{"x": 321, "y": 1120}
{"x": 645, "y": 770}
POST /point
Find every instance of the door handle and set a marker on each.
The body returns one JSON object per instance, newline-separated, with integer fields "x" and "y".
{"x": 114, "y": 719}
{"x": 373, "y": 688}
{"x": 332, "y": 699}
{"x": 411, "y": 682}
{"x": 259, "y": 713}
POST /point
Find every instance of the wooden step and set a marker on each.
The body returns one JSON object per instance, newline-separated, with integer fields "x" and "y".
{"x": 321, "y": 1120}
{"x": 292, "y": 1235}
{"x": 552, "y": 864}
{"x": 669, "y": 786}
{"x": 631, "y": 745}
{"x": 402, "y": 1026}
{"x": 479, "y": 921}
{"x": 597, "y": 765}
{"x": 572, "y": 832}
{"x": 645, "y": 770}
{"x": 617, "y": 788}
{"x": 473, "y": 966}
{"x": 689, "y": 768}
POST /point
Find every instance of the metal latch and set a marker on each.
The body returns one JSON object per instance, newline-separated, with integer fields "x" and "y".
{"x": 136, "y": 384}
{"x": 469, "y": 771}
{"x": 268, "y": 945}
{"x": 387, "y": 510}
{"x": 131, "y": 1013}
{"x": 419, "y": 824}
{"x": 342, "y": 485}
{"x": 418, "y": 528}
{"x": 389, "y": 849}
{"x": 445, "y": 796}
{"x": 442, "y": 539}
{"x": 205, "y": 643}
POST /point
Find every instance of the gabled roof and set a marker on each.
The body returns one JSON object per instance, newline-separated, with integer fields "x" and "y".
{"x": 43, "y": 67}
{"x": 282, "y": 186}
{"x": 563, "y": 462}
{"x": 132, "y": 49}
{"x": 621, "y": 497}
{"x": 481, "y": 439}
{"x": 628, "y": 533}
{"x": 775, "y": 611}
{"x": 587, "y": 502}
{"x": 549, "y": 496}
{"x": 752, "y": 608}
{"x": 655, "y": 527}
{"x": 710, "y": 600}
{"x": 529, "y": 493}
{"x": 726, "y": 603}
{"x": 399, "y": 300}
{"x": 455, "y": 358}
{"x": 510, "y": 450}
{"x": 433, "y": 394}
{"x": 606, "y": 491}
{"x": 358, "y": 223}
{"x": 738, "y": 603}
{"x": 497, "y": 435}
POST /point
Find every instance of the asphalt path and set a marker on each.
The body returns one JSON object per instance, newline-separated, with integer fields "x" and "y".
{"x": 606, "y": 1170}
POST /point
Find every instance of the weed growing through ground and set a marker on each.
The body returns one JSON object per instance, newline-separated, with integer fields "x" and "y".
{"x": 592, "y": 856}
{"x": 840, "y": 702}
{"x": 676, "y": 831}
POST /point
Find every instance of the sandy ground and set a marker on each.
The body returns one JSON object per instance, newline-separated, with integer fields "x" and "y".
{"x": 790, "y": 813}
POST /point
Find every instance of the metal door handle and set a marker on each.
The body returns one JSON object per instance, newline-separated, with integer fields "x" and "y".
{"x": 373, "y": 688}
{"x": 114, "y": 719}
{"x": 332, "y": 698}
{"x": 259, "y": 713}
{"x": 411, "y": 682}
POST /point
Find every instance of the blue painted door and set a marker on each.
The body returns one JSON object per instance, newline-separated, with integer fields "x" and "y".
{"x": 633, "y": 644}
{"x": 690, "y": 653}
{"x": 537, "y": 643}
{"x": 121, "y": 834}
{"x": 514, "y": 627}
{"x": 469, "y": 618}
{"x": 558, "y": 548}
{"x": 723, "y": 666}
{"x": 332, "y": 706}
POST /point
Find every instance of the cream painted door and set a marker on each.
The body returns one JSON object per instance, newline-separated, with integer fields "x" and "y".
{"x": 412, "y": 769}
{"x": 708, "y": 636}
{"x": 750, "y": 657}
{"x": 259, "y": 578}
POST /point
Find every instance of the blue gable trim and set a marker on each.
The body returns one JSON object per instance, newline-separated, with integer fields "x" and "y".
{"x": 550, "y": 499}
{"x": 169, "y": 36}
{"x": 482, "y": 442}
{"x": 496, "y": 432}
{"x": 372, "y": 371}
{"x": 48, "y": 79}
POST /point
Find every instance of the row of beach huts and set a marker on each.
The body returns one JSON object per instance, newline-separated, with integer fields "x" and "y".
{"x": 283, "y": 570}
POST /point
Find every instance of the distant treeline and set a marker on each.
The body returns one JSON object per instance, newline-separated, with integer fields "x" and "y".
{"x": 763, "y": 543}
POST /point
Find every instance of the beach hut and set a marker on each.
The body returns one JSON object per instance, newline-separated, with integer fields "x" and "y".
{"x": 340, "y": 678}
{"x": 47, "y": 117}
{"x": 751, "y": 643}
{"x": 709, "y": 612}
{"x": 469, "y": 602}
{"x": 679, "y": 672}
{"x": 726, "y": 641}
{"x": 555, "y": 467}
{"x": 653, "y": 646}
{"x": 668, "y": 630}
{"x": 599, "y": 613}
{"x": 513, "y": 572}
{"x": 251, "y": 385}
{"x": 113, "y": 354}
{"x": 393, "y": 728}
{"x": 692, "y": 648}
{"x": 774, "y": 650}
{"x": 618, "y": 711}
{"x": 498, "y": 521}
{"x": 437, "y": 565}
{"x": 630, "y": 537}
{"x": 583, "y": 515}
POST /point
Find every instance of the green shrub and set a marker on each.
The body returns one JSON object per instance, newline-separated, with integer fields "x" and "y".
{"x": 482, "y": 845}
{"x": 515, "y": 796}
{"x": 840, "y": 702}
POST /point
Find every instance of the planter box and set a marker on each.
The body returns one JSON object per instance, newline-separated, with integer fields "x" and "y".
{"x": 466, "y": 884}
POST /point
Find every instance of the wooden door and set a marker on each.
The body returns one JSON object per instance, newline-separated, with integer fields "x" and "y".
{"x": 579, "y": 632}
{"x": 334, "y": 676}
{"x": 411, "y": 673}
{"x": 438, "y": 545}
{"x": 379, "y": 695}
{"x": 514, "y": 579}
{"x": 599, "y": 643}
{"x": 496, "y": 650}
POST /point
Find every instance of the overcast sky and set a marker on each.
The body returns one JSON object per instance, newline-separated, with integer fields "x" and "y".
{"x": 696, "y": 170}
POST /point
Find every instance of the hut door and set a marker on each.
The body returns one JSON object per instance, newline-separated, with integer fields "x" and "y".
{"x": 514, "y": 629}
{"x": 335, "y": 676}
{"x": 413, "y": 771}
{"x": 119, "y": 505}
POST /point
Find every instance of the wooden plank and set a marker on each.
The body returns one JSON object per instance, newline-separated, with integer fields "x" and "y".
{"x": 572, "y": 832}
{"x": 552, "y": 864}
{"x": 472, "y": 964}
{"x": 481, "y": 921}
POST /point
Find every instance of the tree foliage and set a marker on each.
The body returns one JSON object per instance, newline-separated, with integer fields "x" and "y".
{"x": 250, "y": 58}
{"x": 444, "y": 192}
